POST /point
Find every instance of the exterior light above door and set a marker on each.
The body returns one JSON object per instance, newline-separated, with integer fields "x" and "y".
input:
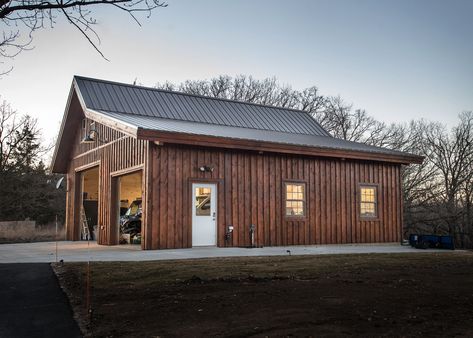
{"x": 205, "y": 168}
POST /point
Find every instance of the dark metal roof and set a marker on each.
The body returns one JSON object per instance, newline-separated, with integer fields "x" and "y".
{"x": 115, "y": 97}
{"x": 186, "y": 127}
{"x": 166, "y": 111}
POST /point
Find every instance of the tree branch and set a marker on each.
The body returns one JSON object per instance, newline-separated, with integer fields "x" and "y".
{"x": 34, "y": 14}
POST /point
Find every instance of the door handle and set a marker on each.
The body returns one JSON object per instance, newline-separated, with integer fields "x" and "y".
{"x": 213, "y": 216}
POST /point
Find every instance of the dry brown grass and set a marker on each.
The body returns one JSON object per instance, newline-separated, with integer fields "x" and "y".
{"x": 24, "y": 235}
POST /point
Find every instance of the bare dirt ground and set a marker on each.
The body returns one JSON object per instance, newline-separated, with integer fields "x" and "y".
{"x": 371, "y": 295}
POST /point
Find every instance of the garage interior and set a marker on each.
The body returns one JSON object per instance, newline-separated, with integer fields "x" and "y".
{"x": 130, "y": 201}
{"x": 90, "y": 203}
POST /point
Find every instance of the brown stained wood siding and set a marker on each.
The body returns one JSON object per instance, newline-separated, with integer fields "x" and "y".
{"x": 105, "y": 135}
{"x": 119, "y": 152}
{"x": 251, "y": 190}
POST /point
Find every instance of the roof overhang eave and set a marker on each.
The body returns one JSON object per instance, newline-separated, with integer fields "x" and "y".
{"x": 53, "y": 165}
{"x": 265, "y": 146}
{"x": 111, "y": 122}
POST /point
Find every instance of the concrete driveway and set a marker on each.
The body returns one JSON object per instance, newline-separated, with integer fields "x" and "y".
{"x": 83, "y": 251}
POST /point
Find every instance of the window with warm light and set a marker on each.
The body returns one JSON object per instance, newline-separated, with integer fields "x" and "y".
{"x": 368, "y": 201}
{"x": 295, "y": 199}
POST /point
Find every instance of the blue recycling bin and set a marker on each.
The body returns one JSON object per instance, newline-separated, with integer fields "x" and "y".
{"x": 431, "y": 241}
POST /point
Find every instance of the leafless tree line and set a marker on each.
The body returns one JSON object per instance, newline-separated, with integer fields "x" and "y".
{"x": 438, "y": 194}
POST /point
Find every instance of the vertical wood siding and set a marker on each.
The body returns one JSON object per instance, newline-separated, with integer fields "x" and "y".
{"x": 251, "y": 191}
{"x": 118, "y": 152}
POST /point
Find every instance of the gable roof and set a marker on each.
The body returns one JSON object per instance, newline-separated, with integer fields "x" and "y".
{"x": 115, "y": 97}
{"x": 174, "y": 117}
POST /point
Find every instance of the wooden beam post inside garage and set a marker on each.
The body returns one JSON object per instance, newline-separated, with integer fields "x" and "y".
{"x": 75, "y": 230}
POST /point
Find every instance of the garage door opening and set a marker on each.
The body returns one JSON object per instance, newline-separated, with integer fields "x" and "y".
{"x": 90, "y": 204}
{"x": 131, "y": 209}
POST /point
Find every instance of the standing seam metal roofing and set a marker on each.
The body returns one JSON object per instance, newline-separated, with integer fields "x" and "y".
{"x": 208, "y": 129}
{"x": 123, "y": 98}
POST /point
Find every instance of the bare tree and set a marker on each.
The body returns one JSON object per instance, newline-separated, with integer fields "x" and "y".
{"x": 421, "y": 182}
{"x": 452, "y": 155}
{"x": 32, "y": 15}
{"x": 468, "y": 211}
{"x": 245, "y": 88}
{"x": 340, "y": 120}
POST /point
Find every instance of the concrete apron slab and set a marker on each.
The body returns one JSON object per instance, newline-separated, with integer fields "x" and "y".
{"x": 82, "y": 251}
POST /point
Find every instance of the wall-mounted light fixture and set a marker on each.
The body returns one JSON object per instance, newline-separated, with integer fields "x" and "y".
{"x": 92, "y": 135}
{"x": 206, "y": 168}
{"x": 89, "y": 137}
{"x": 228, "y": 234}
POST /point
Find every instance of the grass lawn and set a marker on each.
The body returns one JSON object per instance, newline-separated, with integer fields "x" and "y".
{"x": 424, "y": 294}
{"x": 39, "y": 234}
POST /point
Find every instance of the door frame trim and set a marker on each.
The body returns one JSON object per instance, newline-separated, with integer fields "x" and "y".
{"x": 189, "y": 202}
{"x": 79, "y": 195}
{"x": 115, "y": 192}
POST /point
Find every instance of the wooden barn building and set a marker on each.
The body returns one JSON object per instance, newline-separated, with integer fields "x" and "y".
{"x": 201, "y": 171}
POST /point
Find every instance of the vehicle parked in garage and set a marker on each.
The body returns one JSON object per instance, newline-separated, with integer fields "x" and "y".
{"x": 130, "y": 222}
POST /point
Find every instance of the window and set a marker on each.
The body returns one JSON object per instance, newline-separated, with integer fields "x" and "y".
{"x": 295, "y": 199}
{"x": 202, "y": 201}
{"x": 368, "y": 201}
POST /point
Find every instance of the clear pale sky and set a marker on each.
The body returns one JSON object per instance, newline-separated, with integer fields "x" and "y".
{"x": 399, "y": 60}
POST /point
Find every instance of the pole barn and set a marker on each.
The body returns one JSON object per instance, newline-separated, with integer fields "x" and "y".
{"x": 201, "y": 171}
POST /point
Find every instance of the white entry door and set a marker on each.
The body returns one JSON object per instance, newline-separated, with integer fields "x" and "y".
{"x": 204, "y": 214}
